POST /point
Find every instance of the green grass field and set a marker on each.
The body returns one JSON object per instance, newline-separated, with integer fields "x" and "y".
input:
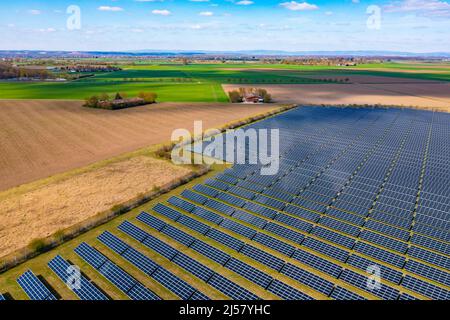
{"x": 202, "y": 82}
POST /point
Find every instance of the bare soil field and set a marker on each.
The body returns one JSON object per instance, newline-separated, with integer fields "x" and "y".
{"x": 41, "y": 138}
{"x": 425, "y": 95}
{"x": 43, "y": 211}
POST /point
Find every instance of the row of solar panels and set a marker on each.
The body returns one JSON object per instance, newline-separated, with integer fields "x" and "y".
{"x": 389, "y": 273}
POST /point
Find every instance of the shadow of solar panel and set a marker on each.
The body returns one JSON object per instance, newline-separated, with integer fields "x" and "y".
{"x": 198, "y": 296}
{"x": 84, "y": 289}
{"x": 428, "y": 272}
{"x": 380, "y": 254}
{"x": 210, "y": 252}
{"x": 294, "y": 222}
{"x": 238, "y": 228}
{"x": 33, "y": 287}
{"x": 231, "y": 289}
{"x": 317, "y": 262}
{"x": 167, "y": 211}
{"x": 385, "y": 272}
{"x": 206, "y": 190}
{"x": 193, "y": 196}
{"x": 225, "y": 239}
{"x": 333, "y": 237}
{"x": 302, "y": 213}
{"x": 263, "y": 257}
{"x": 207, "y": 215}
{"x": 285, "y": 232}
{"x": 307, "y": 278}
{"x": 151, "y": 221}
{"x": 425, "y": 288}
{"x": 287, "y": 292}
{"x": 383, "y": 241}
{"x": 384, "y": 292}
{"x": 261, "y": 210}
{"x": 326, "y": 249}
{"x": 193, "y": 224}
{"x": 274, "y": 244}
{"x": 178, "y": 235}
{"x": 182, "y": 204}
{"x": 249, "y": 218}
{"x": 219, "y": 206}
{"x": 249, "y": 272}
{"x": 196, "y": 268}
{"x": 340, "y": 293}
{"x": 233, "y": 200}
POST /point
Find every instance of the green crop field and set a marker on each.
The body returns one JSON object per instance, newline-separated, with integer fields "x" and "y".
{"x": 202, "y": 82}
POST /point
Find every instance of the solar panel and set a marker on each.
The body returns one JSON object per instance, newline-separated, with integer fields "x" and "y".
{"x": 428, "y": 272}
{"x": 231, "y": 289}
{"x": 249, "y": 272}
{"x": 326, "y": 249}
{"x": 307, "y": 278}
{"x": 197, "y": 295}
{"x": 83, "y": 288}
{"x": 193, "y": 224}
{"x": 430, "y": 257}
{"x": 238, "y": 228}
{"x": 167, "y": 211}
{"x": 285, "y": 232}
{"x": 249, "y": 218}
{"x": 225, "y": 239}
{"x": 180, "y": 203}
{"x": 196, "y": 197}
{"x": 383, "y": 291}
{"x": 33, "y": 287}
{"x": 263, "y": 257}
{"x": 2, "y": 298}
{"x": 151, "y": 221}
{"x": 210, "y": 252}
{"x": 274, "y": 244}
{"x": 425, "y": 288}
{"x": 207, "y": 215}
{"x": 380, "y": 254}
{"x": 233, "y": 200}
{"x": 294, "y": 222}
{"x": 117, "y": 276}
{"x": 220, "y": 207}
{"x": 335, "y": 237}
{"x": 385, "y": 272}
{"x": 287, "y": 292}
{"x": 317, "y": 262}
{"x": 196, "y": 268}
{"x": 340, "y": 293}
{"x": 261, "y": 210}
{"x": 178, "y": 235}
{"x": 180, "y": 287}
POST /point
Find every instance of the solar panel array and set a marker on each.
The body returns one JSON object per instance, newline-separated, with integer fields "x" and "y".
{"x": 359, "y": 191}
{"x": 33, "y": 287}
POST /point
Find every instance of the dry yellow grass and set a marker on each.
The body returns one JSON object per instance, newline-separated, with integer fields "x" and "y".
{"x": 44, "y": 210}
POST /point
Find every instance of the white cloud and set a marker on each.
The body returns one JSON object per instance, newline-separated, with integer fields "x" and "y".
{"x": 297, "y": 6}
{"x": 421, "y": 7}
{"x": 206, "y": 13}
{"x": 245, "y": 3}
{"x": 108, "y": 8}
{"x": 162, "y": 12}
{"x": 48, "y": 30}
{"x": 34, "y": 12}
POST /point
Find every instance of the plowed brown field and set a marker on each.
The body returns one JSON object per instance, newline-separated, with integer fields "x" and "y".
{"x": 42, "y": 138}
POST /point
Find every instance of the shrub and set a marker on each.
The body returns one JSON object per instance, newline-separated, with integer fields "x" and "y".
{"x": 235, "y": 96}
{"x": 37, "y": 245}
{"x": 149, "y": 97}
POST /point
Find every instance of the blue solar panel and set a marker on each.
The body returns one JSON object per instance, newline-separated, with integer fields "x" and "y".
{"x": 294, "y": 222}
{"x": 249, "y": 218}
{"x": 326, "y": 249}
{"x": 287, "y": 292}
{"x": 383, "y": 291}
{"x": 193, "y": 266}
{"x": 193, "y": 224}
{"x": 206, "y": 190}
{"x": 261, "y": 210}
{"x": 33, "y": 287}
{"x": 285, "y": 232}
{"x": 425, "y": 288}
{"x": 198, "y": 296}
{"x": 307, "y": 278}
{"x": 340, "y": 293}
{"x": 151, "y": 221}
{"x": 210, "y": 252}
{"x": 167, "y": 211}
{"x": 220, "y": 207}
{"x": 263, "y": 257}
{"x": 2, "y": 298}
{"x": 249, "y": 272}
{"x": 231, "y": 289}
{"x": 238, "y": 228}
{"x": 182, "y": 204}
{"x": 117, "y": 276}
{"x": 178, "y": 235}
{"x": 317, "y": 262}
{"x": 82, "y": 287}
{"x": 225, "y": 239}
{"x": 274, "y": 244}
{"x": 385, "y": 272}
{"x": 428, "y": 272}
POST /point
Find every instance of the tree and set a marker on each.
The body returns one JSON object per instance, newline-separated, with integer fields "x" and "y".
{"x": 149, "y": 97}
{"x": 91, "y": 102}
{"x": 104, "y": 97}
{"x": 235, "y": 96}
{"x": 118, "y": 96}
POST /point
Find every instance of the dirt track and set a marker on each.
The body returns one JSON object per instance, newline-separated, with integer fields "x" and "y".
{"x": 42, "y": 138}
{"x": 427, "y": 95}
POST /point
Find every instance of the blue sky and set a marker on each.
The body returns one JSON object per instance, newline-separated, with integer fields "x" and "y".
{"x": 115, "y": 25}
